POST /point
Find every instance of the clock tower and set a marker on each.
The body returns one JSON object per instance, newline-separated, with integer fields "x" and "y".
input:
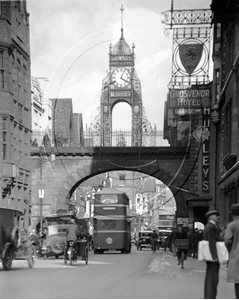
{"x": 121, "y": 85}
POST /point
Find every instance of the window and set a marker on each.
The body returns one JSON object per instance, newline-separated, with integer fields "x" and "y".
{"x": 2, "y": 70}
{"x": 218, "y": 30}
{"x": 109, "y": 199}
{"x": 5, "y": 9}
{"x": 227, "y": 129}
{"x": 4, "y": 139}
{"x": 122, "y": 179}
{"x": 108, "y": 224}
{"x": 18, "y": 72}
{"x": 217, "y": 83}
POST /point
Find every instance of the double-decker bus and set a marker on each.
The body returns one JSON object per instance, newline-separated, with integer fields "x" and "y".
{"x": 166, "y": 222}
{"x": 111, "y": 222}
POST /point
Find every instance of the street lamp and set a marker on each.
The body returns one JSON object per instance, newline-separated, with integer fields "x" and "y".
{"x": 52, "y": 158}
{"x": 41, "y": 195}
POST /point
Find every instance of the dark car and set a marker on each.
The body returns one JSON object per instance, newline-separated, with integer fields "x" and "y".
{"x": 144, "y": 239}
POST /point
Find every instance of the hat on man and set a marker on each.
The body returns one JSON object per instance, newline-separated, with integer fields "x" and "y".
{"x": 212, "y": 212}
{"x": 235, "y": 209}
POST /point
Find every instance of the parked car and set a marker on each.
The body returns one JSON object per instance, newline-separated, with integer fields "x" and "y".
{"x": 144, "y": 239}
{"x": 164, "y": 238}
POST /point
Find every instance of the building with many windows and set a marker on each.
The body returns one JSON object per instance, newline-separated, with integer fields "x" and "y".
{"x": 225, "y": 105}
{"x": 15, "y": 109}
{"x": 41, "y": 114}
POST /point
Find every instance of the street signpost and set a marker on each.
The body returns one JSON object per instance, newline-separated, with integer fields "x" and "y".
{"x": 41, "y": 186}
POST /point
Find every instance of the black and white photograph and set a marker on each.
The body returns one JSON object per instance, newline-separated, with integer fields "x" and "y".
{"x": 119, "y": 149}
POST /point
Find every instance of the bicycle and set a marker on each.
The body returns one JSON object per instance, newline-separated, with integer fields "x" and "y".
{"x": 182, "y": 244}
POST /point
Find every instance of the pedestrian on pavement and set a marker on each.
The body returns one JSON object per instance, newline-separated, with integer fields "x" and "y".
{"x": 212, "y": 235}
{"x": 190, "y": 242}
{"x": 181, "y": 234}
{"x": 196, "y": 238}
{"x": 172, "y": 240}
{"x": 223, "y": 232}
{"x": 232, "y": 243}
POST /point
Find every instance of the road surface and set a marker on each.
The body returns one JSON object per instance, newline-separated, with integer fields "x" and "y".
{"x": 112, "y": 275}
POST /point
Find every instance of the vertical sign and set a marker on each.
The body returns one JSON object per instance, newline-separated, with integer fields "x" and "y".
{"x": 205, "y": 151}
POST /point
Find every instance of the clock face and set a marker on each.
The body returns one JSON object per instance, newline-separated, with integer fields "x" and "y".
{"x": 121, "y": 76}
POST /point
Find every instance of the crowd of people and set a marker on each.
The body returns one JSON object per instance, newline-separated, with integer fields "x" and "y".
{"x": 181, "y": 232}
{"x": 229, "y": 235}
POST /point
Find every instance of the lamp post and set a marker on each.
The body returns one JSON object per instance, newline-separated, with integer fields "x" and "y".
{"x": 52, "y": 159}
{"x": 41, "y": 194}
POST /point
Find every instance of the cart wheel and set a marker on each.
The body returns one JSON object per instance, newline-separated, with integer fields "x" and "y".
{"x": 7, "y": 260}
{"x": 31, "y": 256}
{"x": 86, "y": 255}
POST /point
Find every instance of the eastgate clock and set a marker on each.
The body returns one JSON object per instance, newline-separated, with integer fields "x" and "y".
{"x": 121, "y": 76}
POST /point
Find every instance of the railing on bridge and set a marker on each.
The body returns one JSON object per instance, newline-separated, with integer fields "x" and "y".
{"x": 119, "y": 138}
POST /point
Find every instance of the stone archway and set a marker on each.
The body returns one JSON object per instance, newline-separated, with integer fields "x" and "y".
{"x": 75, "y": 165}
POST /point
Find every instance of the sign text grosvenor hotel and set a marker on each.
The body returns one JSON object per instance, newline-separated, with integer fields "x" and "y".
{"x": 194, "y": 101}
{"x": 189, "y": 101}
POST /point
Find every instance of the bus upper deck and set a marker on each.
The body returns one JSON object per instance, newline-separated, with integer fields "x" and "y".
{"x": 112, "y": 202}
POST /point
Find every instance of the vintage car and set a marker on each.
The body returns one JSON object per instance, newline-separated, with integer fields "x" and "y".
{"x": 55, "y": 240}
{"x": 144, "y": 239}
{"x": 14, "y": 241}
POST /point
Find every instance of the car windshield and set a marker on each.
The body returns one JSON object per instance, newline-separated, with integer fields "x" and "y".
{"x": 57, "y": 229}
{"x": 164, "y": 233}
{"x": 145, "y": 234}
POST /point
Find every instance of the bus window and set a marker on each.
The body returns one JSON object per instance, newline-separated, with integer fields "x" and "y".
{"x": 108, "y": 224}
{"x": 95, "y": 227}
{"x": 109, "y": 199}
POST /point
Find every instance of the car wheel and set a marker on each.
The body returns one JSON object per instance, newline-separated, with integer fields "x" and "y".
{"x": 57, "y": 246}
{"x": 7, "y": 259}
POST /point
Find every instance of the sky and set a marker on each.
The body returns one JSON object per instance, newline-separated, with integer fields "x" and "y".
{"x": 70, "y": 40}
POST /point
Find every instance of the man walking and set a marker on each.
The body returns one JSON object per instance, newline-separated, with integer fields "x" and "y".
{"x": 172, "y": 241}
{"x": 181, "y": 234}
{"x": 196, "y": 238}
{"x": 212, "y": 235}
{"x": 232, "y": 243}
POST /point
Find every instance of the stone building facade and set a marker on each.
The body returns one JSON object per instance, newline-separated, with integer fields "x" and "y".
{"x": 41, "y": 115}
{"x": 15, "y": 109}
{"x": 225, "y": 110}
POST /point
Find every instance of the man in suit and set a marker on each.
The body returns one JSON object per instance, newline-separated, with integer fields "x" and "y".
{"x": 212, "y": 235}
{"x": 232, "y": 243}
